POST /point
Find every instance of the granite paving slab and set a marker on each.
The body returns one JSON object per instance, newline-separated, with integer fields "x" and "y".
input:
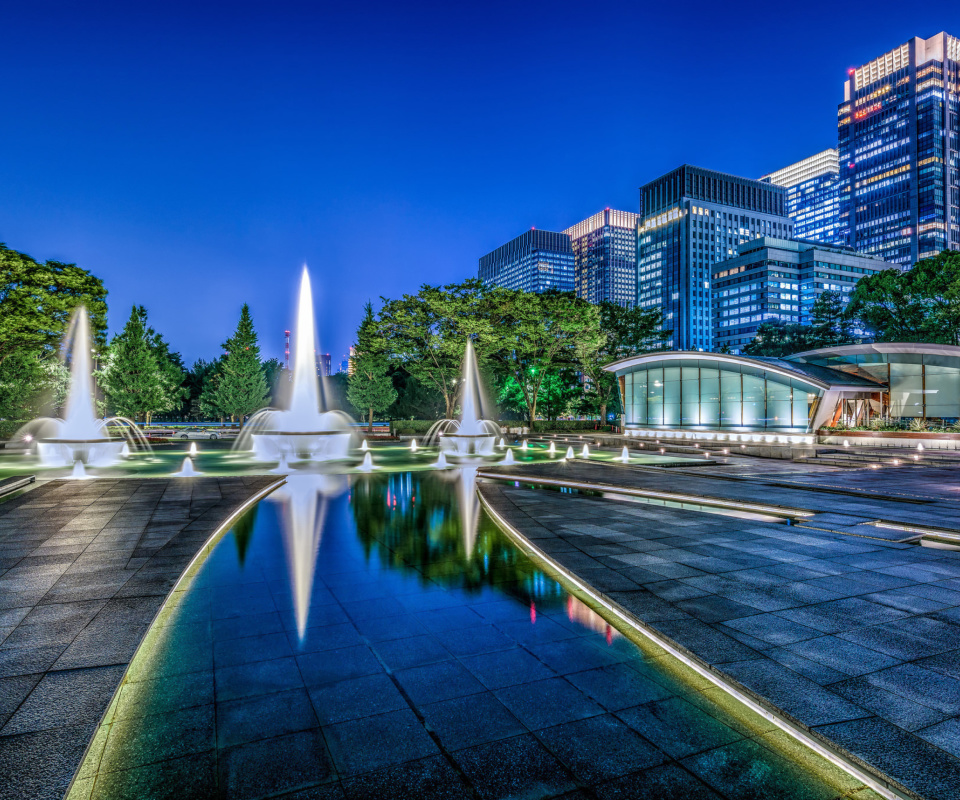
{"x": 847, "y": 650}
{"x": 82, "y": 575}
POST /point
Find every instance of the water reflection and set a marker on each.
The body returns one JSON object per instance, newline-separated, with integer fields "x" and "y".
{"x": 304, "y": 500}
{"x": 421, "y": 524}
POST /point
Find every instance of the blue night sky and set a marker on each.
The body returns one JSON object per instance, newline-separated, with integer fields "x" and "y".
{"x": 195, "y": 156}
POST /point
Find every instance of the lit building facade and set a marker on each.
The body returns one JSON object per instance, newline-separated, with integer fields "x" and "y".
{"x": 605, "y": 257}
{"x": 780, "y": 279}
{"x": 692, "y": 218}
{"x": 533, "y": 262}
{"x": 720, "y": 397}
{"x": 898, "y": 129}
{"x": 813, "y": 197}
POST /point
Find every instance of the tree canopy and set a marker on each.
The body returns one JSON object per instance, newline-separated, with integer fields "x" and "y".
{"x": 370, "y": 388}
{"x": 242, "y": 387}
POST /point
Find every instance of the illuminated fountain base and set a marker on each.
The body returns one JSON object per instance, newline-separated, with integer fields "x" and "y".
{"x": 305, "y": 446}
{"x": 64, "y": 452}
{"x": 460, "y": 445}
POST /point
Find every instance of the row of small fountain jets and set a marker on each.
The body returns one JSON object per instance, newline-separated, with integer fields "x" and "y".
{"x": 305, "y": 431}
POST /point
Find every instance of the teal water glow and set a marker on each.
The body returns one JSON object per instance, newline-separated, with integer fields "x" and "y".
{"x": 378, "y": 634}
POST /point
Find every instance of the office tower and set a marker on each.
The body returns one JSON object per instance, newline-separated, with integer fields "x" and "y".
{"x": 534, "y": 262}
{"x": 780, "y": 279}
{"x": 898, "y": 134}
{"x": 605, "y": 257}
{"x": 690, "y": 219}
{"x": 813, "y": 197}
{"x": 324, "y": 365}
{"x": 286, "y": 349}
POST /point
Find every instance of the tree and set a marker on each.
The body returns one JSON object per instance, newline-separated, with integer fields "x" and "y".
{"x": 829, "y": 326}
{"x": 242, "y": 388}
{"x": 427, "y": 334}
{"x": 623, "y": 332}
{"x": 273, "y": 374}
{"x": 414, "y": 400}
{"x": 539, "y": 334}
{"x": 132, "y": 378}
{"x": 36, "y": 303}
{"x": 776, "y": 339}
{"x": 370, "y": 387}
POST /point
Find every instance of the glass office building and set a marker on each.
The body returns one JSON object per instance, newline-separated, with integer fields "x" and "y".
{"x": 692, "y": 218}
{"x": 898, "y": 129}
{"x": 533, "y": 262}
{"x": 813, "y": 197}
{"x": 713, "y": 395}
{"x": 780, "y": 279}
{"x": 605, "y": 253}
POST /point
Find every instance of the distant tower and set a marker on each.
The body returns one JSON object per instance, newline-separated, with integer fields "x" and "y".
{"x": 286, "y": 349}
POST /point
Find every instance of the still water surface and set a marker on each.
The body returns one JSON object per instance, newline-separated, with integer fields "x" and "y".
{"x": 378, "y": 636}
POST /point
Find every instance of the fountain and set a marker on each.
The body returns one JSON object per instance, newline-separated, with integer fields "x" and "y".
{"x": 187, "y": 470}
{"x": 281, "y": 468}
{"x": 193, "y": 449}
{"x": 413, "y": 445}
{"x": 625, "y": 455}
{"x": 363, "y": 446}
{"x": 552, "y": 449}
{"x": 367, "y": 464}
{"x": 78, "y": 473}
{"x": 302, "y": 431}
{"x": 509, "y": 459}
{"x": 569, "y": 453}
{"x": 441, "y": 462}
{"x": 470, "y": 435}
{"x": 502, "y": 443}
{"x": 79, "y": 436}
{"x": 523, "y": 446}
{"x": 585, "y": 452}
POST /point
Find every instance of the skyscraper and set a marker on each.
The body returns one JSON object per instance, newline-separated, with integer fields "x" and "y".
{"x": 780, "y": 279}
{"x": 813, "y": 197}
{"x": 898, "y": 129}
{"x": 690, "y": 219}
{"x": 605, "y": 253}
{"x": 534, "y": 262}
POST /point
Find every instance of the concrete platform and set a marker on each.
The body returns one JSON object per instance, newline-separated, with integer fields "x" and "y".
{"x": 855, "y": 639}
{"x": 84, "y": 568}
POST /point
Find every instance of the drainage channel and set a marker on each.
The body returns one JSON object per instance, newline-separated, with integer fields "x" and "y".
{"x": 750, "y": 511}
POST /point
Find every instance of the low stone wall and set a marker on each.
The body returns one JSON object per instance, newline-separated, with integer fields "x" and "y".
{"x": 932, "y": 441}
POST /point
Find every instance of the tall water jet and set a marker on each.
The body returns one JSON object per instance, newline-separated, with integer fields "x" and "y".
{"x": 79, "y": 436}
{"x": 304, "y": 430}
{"x": 469, "y": 436}
{"x": 469, "y": 504}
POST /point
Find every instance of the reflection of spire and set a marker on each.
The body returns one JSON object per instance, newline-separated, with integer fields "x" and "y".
{"x": 304, "y": 499}
{"x": 469, "y": 508}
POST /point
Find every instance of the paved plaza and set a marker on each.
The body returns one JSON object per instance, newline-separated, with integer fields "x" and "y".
{"x": 852, "y": 634}
{"x": 84, "y": 568}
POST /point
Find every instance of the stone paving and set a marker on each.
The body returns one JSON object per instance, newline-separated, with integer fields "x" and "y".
{"x": 858, "y": 639}
{"x": 84, "y": 567}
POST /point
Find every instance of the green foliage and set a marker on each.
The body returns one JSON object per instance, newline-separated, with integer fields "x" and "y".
{"x": 273, "y": 374}
{"x": 242, "y": 386}
{"x": 141, "y": 376}
{"x": 776, "y": 339}
{"x": 414, "y": 399}
{"x": 623, "y": 332}
{"x": 919, "y": 305}
{"x": 427, "y": 334}
{"x": 36, "y": 303}
{"x": 829, "y": 325}
{"x": 370, "y": 387}
{"x": 539, "y": 335}
{"x": 413, "y": 427}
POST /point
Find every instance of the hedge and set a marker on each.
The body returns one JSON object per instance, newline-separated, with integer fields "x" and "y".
{"x": 8, "y": 427}
{"x": 545, "y": 426}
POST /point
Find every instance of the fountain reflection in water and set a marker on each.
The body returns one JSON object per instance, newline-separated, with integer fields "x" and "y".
{"x": 304, "y": 430}
{"x": 304, "y": 499}
{"x": 80, "y": 437}
{"x": 470, "y": 435}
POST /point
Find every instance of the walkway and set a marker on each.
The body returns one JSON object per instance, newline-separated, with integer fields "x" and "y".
{"x": 855, "y": 638}
{"x": 84, "y": 567}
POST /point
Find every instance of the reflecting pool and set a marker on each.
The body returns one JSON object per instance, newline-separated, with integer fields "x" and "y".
{"x": 378, "y": 636}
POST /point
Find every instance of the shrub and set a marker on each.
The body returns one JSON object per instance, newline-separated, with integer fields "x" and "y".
{"x": 918, "y": 424}
{"x": 8, "y": 427}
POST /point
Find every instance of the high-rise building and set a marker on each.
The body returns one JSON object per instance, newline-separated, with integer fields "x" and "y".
{"x": 533, "y": 262}
{"x": 898, "y": 129}
{"x": 813, "y": 197}
{"x": 324, "y": 367}
{"x": 692, "y": 218}
{"x": 605, "y": 254}
{"x": 780, "y": 279}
